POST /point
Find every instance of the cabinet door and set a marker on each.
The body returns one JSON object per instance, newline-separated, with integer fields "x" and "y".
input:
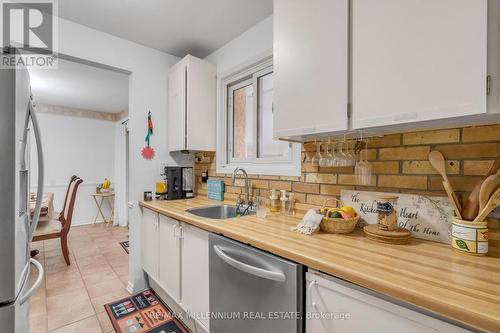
{"x": 352, "y": 310}
{"x": 415, "y": 60}
{"x": 170, "y": 257}
{"x": 177, "y": 107}
{"x": 201, "y": 105}
{"x": 310, "y": 66}
{"x": 195, "y": 295}
{"x": 150, "y": 242}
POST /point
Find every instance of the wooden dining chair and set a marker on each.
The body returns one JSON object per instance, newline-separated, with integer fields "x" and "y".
{"x": 59, "y": 228}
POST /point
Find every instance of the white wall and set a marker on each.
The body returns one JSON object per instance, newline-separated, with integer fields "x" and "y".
{"x": 147, "y": 91}
{"x": 76, "y": 146}
{"x": 244, "y": 49}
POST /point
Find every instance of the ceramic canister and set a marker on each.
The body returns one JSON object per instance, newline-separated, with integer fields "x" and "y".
{"x": 469, "y": 237}
{"x": 387, "y": 213}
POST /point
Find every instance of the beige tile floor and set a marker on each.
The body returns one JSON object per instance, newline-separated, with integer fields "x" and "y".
{"x": 71, "y": 298}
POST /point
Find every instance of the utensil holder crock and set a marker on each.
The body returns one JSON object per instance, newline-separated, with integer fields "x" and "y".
{"x": 470, "y": 238}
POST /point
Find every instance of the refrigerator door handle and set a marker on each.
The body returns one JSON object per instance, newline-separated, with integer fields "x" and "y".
{"x": 39, "y": 197}
{"x": 35, "y": 285}
{"x": 263, "y": 273}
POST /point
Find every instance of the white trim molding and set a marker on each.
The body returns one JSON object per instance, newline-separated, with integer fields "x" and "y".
{"x": 130, "y": 288}
{"x": 81, "y": 113}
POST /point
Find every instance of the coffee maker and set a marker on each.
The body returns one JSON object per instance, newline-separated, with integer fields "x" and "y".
{"x": 180, "y": 182}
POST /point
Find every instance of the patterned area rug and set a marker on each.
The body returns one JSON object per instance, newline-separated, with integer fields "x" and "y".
{"x": 125, "y": 245}
{"x": 143, "y": 312}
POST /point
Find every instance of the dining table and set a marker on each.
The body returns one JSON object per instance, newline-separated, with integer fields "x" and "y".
{"x": 47, "y": 204}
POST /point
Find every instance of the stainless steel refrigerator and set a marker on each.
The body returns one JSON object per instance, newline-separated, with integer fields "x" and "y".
{"x": 18, "y": 125}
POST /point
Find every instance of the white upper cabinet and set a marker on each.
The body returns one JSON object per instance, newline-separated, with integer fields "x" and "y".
{"x": 192, "y": 105}
{"x": 177, "y": 107}
{"x": 310, "y": 66}
{"x": 415, "y": 60}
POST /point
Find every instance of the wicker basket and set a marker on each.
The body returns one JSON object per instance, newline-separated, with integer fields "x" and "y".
{"x": 337, "y": 225}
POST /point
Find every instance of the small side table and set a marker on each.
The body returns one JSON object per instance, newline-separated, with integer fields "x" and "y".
{"x": 99, "y": 199}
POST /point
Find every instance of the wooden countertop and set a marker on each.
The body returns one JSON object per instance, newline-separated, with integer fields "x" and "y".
{"x": 426, "y": 274}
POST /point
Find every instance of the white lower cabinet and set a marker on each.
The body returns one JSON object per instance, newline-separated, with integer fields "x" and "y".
{"x": 175, "y": 255}
{"x": 334, "y": 305}
{"x": 194, "y": 272}
{"x": 150, "y": 240}
{"x": 170, "y": 256}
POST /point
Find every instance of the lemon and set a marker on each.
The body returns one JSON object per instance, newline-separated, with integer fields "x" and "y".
{"x": 349, "y": 210}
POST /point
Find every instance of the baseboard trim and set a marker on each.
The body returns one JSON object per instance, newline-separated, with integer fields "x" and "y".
{"x": 86, "y": 222}
{"x": 130, "y": 288}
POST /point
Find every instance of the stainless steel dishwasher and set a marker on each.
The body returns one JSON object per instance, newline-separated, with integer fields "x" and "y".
{"x": 253, "y": 291}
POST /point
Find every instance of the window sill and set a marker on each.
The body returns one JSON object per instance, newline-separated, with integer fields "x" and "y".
{"x": 262, "y": 169}
{"x": 292, "y": 168}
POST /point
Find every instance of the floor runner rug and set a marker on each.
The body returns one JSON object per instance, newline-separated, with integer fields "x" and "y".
{"x": 143, "y": 312}
{"x": 125, "y": 245}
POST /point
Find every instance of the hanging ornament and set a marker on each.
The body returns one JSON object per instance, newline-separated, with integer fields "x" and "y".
{"x": 147, "y": 152}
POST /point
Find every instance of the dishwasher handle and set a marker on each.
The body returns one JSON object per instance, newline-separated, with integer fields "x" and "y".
{"x": 263, "y": 273}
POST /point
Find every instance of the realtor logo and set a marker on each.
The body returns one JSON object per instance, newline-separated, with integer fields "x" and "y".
{"x": 30, "y": 27}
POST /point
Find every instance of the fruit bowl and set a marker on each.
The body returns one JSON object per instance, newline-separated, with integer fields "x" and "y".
{"x": 338, "y": 220}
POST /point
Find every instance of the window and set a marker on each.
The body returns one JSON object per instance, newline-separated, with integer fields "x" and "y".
{"x": 247, "y": 123}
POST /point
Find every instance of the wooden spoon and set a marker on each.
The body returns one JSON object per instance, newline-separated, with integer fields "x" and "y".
{"x": 493, "y": 203}
{"x": 471, "y": 204}
{"x": 490, "y": 185}
{"x": 439, "y": 164}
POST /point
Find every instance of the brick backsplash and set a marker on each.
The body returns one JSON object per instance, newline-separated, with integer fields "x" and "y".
{"x": 399, "y": 165}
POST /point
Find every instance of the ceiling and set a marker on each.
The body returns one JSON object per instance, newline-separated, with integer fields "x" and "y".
{"x": 80, "y": 86}
{"x": 177, "y": 27}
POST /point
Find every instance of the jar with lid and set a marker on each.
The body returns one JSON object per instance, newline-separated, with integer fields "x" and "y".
{"x": 387, "y": 212}
{"x": 274, "y": 202}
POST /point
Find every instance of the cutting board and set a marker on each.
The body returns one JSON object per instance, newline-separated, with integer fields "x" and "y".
{"x": 397, "y": 237}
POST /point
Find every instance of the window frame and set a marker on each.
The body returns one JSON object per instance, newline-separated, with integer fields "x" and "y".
{"x": 231, "y": 88}
{"x": 225, "y": 163}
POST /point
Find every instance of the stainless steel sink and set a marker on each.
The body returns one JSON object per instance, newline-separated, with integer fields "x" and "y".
{"x": 215, "y": 212}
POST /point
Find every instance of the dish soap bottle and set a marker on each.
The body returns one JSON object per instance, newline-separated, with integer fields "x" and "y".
{"x": 275, "y": 202}
{"x": 291, "y": 200}
{"x": 284, "y": 201}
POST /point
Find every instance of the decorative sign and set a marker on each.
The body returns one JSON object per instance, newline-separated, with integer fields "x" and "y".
{"x": 426, "y": 217}
{"x": 216, "y": 189}
{"x": 147, "y": 152}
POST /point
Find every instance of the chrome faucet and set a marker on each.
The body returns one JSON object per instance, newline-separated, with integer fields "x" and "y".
{"x": 247, "y": 188}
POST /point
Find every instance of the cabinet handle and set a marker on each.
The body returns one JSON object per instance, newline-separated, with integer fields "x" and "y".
{"x": 253, "y": 270}
{"x": 179, "y": 234}
{"x": 311, "y": 285}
